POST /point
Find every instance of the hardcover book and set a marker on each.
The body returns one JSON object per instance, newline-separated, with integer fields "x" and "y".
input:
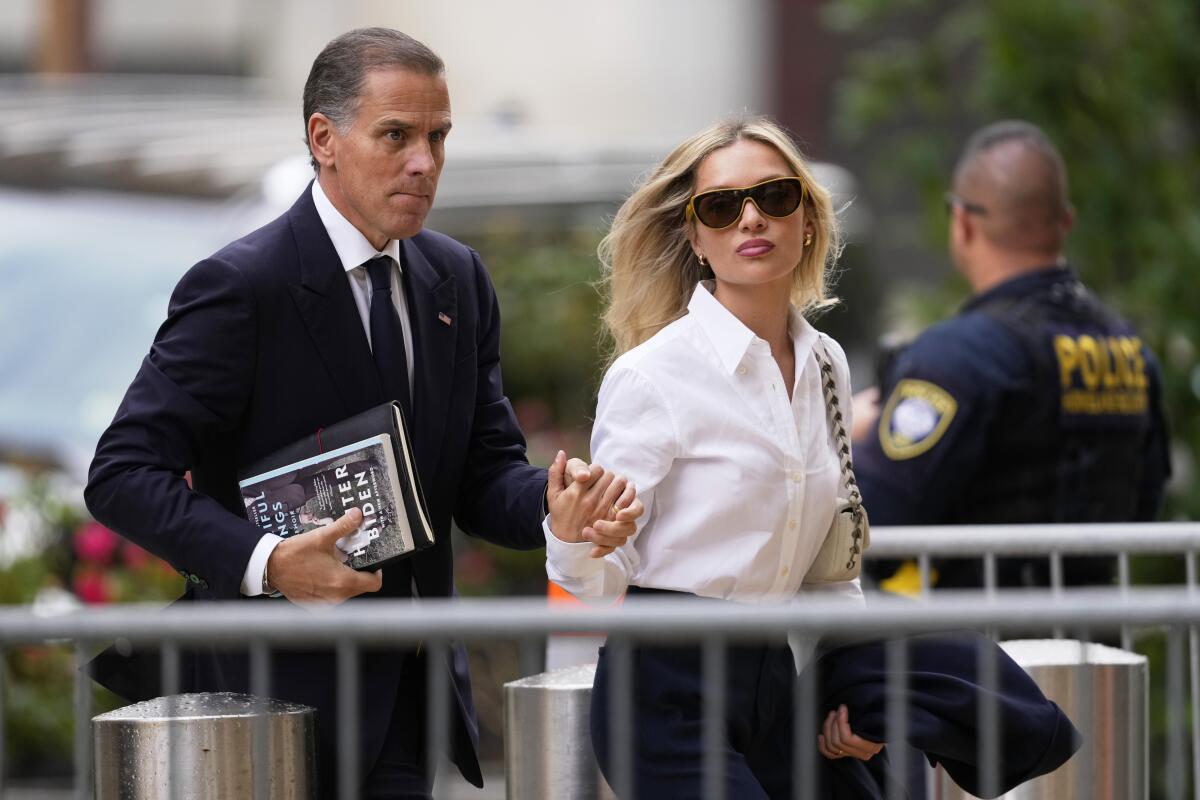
{"x": 363, "y": 462}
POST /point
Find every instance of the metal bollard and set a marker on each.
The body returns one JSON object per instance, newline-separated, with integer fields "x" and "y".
{"x": 547, "y": 739}
{"x": 201, "y": 746}
{"x": 1105, "y": 692}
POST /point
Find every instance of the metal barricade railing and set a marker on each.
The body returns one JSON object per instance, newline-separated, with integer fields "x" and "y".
{"x": 438, "y": 623}
{"x": 1056, "y": 541}
{"x": 989, "y": 542}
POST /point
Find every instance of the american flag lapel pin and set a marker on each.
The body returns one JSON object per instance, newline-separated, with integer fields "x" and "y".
{"x": 445, "y": 318}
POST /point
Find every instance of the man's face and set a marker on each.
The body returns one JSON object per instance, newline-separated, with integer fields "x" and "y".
{"x": 382, "y": 171}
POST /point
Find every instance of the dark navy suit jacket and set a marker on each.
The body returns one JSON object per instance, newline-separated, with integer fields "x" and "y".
{"x": 263, "y": 344}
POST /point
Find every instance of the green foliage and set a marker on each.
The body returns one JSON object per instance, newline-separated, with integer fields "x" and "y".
{"x": 20, "y": 582}
{"x": 545, "y": 283}
{"x": 1116, "y": 85}
{"x": 38, "y": 718}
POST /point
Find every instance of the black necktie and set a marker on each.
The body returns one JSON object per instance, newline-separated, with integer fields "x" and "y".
{"x": 387, "y": 336}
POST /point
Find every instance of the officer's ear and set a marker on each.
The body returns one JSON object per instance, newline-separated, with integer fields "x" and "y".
{"x": 1068, "y": 219}
{"x": 962, "y": 227}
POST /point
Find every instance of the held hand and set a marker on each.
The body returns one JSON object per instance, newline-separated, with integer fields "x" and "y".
{"x": 563, "y": 473}
{"x": 594, "y": 506}
{"x": 308, "y": 567}
{"x": 580, "y": 470}
{"x": 866, "y": 413}
{"x": 838, "y": 741}
{"x": 610, "y": 533}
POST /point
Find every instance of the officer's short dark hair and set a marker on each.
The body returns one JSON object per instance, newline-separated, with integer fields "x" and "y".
{"x": 1013, "y": 130}
{"x": 1026, "y": 208}
{"x": 336, "y": 78}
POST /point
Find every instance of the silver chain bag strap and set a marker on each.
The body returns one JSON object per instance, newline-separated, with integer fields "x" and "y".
{"x": 840, "y": 557}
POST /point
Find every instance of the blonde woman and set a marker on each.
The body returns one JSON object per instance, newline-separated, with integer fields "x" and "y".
{"x": 713, "y": 408}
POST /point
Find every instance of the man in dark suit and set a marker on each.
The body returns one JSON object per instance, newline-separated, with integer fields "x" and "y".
{"x": 348, "y": 286}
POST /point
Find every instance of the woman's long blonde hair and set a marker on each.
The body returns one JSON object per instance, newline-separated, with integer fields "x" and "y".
{"x": 649, "y": 270}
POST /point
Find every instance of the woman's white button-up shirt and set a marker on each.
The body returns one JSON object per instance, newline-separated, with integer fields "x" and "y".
{"x": 738, "y": 480}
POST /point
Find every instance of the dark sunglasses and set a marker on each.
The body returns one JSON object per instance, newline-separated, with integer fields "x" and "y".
{"x": 720, "y": 208}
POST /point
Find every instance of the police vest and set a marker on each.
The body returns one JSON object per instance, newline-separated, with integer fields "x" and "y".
{"x": 1068, "y": 447}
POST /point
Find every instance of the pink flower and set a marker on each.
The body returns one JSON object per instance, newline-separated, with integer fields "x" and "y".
{"x": 134, "y": 556}
{"x": 95, "y": 543}
{"x": 533, "y": 414}
{"x": 474, "y": 567}
{"x": 33, "y": 654}
{"x": 92, "y": 586}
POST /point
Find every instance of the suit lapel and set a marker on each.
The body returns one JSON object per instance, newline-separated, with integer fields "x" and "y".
{"x": 324, "y": 300}
{"x": 432, "y": 309}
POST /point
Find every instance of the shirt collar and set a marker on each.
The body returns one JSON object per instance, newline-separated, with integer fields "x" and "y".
{"x": 730, "y": 337}
{"x": 352, "y": 247}
{"x": 1023, "y": 284}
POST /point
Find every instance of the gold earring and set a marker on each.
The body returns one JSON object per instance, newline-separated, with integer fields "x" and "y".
{"x": 807, "y": 239}
{"x": 700, "y": 258}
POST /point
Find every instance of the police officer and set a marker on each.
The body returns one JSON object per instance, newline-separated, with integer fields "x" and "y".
{"x": 1036, "y": 403}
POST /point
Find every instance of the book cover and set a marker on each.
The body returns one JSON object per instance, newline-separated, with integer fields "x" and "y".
{"x": 307, "y": 494}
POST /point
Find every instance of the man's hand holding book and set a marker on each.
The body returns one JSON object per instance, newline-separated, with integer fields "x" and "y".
{"x": 309, "y": 567}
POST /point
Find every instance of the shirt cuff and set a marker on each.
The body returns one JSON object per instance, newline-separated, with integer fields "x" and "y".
{"x": 569, "y": 558}
{"x": 850, "y": 590}
{"x": 252, "y": 579}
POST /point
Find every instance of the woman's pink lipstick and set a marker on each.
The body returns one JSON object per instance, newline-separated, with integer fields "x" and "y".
{"x": 755, "y": 247}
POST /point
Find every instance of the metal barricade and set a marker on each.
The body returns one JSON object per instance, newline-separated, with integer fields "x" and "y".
{"x": 1054, "y": 542}
{"x": 436, "y": 623}
{"x": 989, "y": 542}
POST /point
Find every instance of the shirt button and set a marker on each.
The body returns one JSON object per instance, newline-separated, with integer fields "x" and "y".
{"x": 792, "y": 524}
{"x": 741, "y": 370}
{"x": 784, "y": 572}
{"x": 797, "y": 477}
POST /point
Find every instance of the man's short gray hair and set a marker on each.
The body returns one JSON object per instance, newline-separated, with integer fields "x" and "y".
{"x": 336, "y": 78}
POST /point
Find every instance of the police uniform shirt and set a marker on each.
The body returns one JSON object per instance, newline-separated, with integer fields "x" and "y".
{"x": 739, "y": 480}
{"x": 972, "y": 416}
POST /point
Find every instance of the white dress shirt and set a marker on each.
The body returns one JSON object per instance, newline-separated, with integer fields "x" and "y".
{"x": 354, "y": 251}
{"x": 738, "y": 480}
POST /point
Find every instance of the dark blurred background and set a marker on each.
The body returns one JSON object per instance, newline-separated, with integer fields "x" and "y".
{"x": 136, "y": 138}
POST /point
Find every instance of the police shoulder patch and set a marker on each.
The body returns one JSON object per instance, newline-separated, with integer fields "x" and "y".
{"x": 915, "y": 418}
